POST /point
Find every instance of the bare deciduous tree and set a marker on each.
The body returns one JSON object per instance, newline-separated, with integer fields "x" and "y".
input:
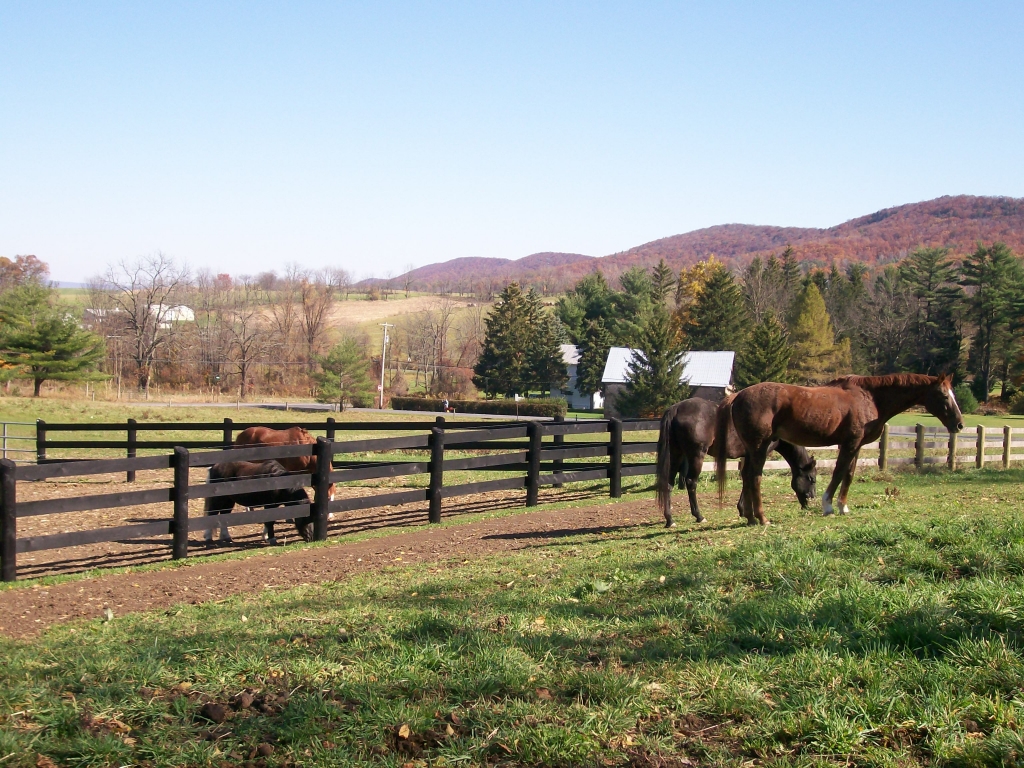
{"x": 144, "y": 296}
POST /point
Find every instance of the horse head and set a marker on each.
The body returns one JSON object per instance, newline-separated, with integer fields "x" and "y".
{"x": 941, "y": 403}
{"x": 805, "y": 483}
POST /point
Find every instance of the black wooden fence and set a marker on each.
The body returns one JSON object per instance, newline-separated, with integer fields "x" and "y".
{"x": 522, "y": 445}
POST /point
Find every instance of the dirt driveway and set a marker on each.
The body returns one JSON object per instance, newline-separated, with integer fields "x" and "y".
{"x": 25, "y": 612}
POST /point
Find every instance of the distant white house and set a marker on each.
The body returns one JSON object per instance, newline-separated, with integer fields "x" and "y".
{"x": 576, "y": 400}
{"x": 709, "y": 375}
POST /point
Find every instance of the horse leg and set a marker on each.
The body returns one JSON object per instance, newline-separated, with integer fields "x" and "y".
{"x": 756, "y": 461}
{"x": 845, "y": 488}
{"x": 696, "y": 465}
{"x": 268, "y": 530}
{"x": 846, "y": 455}
{"x": 678, "y": 468}
{"x": 745, "y": 505}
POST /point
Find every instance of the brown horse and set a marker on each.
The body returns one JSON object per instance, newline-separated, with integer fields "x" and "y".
{"x": 847, "y": 412}
{"x": 290, "y": 436}
{"x": 688, "y": 434}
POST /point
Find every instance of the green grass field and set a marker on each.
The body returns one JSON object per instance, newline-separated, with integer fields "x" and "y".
{"x": 892, "y": 636}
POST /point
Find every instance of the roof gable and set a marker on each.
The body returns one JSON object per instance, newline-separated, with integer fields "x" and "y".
{"x": 701, "y": 369}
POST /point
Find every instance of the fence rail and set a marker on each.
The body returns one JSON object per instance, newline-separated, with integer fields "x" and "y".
{"x": 511, "y": 447}
{"x": 537, "y": 451}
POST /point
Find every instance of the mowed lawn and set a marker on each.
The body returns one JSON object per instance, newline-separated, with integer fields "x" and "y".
{"x": 892, "y": 636}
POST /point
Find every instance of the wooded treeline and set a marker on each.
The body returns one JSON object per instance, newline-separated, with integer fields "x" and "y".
{"x": 930, "y": 312}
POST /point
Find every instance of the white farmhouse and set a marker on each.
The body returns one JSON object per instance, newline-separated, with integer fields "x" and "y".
{"x": 709, "y": 375}
{"x": 575, "y": 399}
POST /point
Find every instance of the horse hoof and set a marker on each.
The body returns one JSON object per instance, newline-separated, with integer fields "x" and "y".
{"x": 826, "y": 512}
{"x": 670, "y": 523}
{"x": 699, "y": 518}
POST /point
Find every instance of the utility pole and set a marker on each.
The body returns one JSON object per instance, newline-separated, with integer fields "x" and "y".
{"x": 383, "y": 359}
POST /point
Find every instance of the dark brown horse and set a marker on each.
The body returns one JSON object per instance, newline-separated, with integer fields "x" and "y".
{"x": 688, "y": 434}
{"x": 283, "y": 497}
{"x": 290, "y": 436}
{"x": 847, "y": 412}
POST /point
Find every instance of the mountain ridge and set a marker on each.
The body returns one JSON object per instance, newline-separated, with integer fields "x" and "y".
{"x": 956, "y": 222}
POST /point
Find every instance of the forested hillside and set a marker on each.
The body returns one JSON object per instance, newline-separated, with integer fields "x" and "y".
{"x": 957, "y": 223}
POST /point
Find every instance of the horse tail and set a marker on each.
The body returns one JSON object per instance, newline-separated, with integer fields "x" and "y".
{"x": 663, "y": 464}
{"x": 723, "y": 418}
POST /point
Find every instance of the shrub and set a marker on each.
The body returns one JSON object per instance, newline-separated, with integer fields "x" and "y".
{"x": 1017, "y": 403}
{"x": 535, "y": 407}
{"x": 978, "y": 389}
{"x": 965, "y": 398}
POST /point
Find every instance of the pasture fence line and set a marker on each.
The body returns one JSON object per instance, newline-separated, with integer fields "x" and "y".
{"x": 535, "y": 451}
{"x": 534, "y": 454}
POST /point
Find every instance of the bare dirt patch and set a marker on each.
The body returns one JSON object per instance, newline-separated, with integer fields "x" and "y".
{"x": 155, "y": 549}
{"x": 26, "y": 612}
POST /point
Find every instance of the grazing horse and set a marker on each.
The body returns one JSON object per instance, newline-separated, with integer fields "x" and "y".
{"x": 290, "y": 436}
{"x": 239, "y": 470}
{"x": 688, "y": 433}
{"x": 848, "y": 412}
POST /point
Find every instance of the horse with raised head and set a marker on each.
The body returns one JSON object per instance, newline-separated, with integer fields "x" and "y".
{"x": 848, "y": 412}
{"x": 688, "y": 434}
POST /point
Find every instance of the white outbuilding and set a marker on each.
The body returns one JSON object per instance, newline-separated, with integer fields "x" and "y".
{"x": 576, "y": 400}
{"x": 709, "y": 375}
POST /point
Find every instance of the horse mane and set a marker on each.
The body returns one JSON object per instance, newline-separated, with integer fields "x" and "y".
{"x": 890, "y": 380}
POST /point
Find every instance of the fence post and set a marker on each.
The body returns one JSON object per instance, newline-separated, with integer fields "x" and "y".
{"x": 324, "y": 452}
{"x": 436, "y": 471}
{"x": 132, "y": 441}
{"x": 179, "y": 527}
{"x": 919, "y": 447}
{"x": 559, "y": 441}
{"x": 979, "y": 451}
{"x": 534, "y": 433}
{"x": 951, "y": 457}
{"x": 615, "y": 458}
{"x": 883, "y": 449}
{"x": 40, "y": 441}
{"x": 229, "y": 429}
{"x": 331, "y": 427}
{"x": 8, "y": 521}
{"x": 1007, "y": 442}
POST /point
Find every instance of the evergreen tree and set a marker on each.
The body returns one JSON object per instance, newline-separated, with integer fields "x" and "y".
{"x": 886, "y": 334}
{"x": 995, "y": 275}
{"x": 790, "y": 280}
{"x": 344, "y": 375}
{"x": 718, "y": 320}
{"x": 766, "y": 355}
{"x": 932, "y": 279}
{"x": 41, "y": 339}
{"x": 521, "y": 349}
{"x": 590, "y": 299}
{"x": 544, "y": 353}
{"x": 663, "y": 280}
{"x": 653, "y": 378}
{"x": 593, "y": 356}
{"x": 631, "y": 305}
{"x": 816, "y": 356}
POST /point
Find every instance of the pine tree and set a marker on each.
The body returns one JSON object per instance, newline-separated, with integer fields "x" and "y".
{"x": 593, "y": 355}
{"x": 997, "y": 278}
{"x": 344, "y": 375}
{"x": 653, "y": 377}
{"x": 689, "y": 288}
{"x": 663, "y": 279}
{"x": 816, "y": 357}
{"x": 791, "y": 279}
{"x": 590, "y": 299}
{"x": 719, "y": 318}
{"x": 42, "y": 340}
{"x": 547, "y": 366}
{"x": 521, "y": 349}
{"x": 766, "y": 355}
{"x": 932, "y": 278}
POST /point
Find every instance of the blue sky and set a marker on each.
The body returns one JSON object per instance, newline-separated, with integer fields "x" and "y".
{"x": 243, "y": 136}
